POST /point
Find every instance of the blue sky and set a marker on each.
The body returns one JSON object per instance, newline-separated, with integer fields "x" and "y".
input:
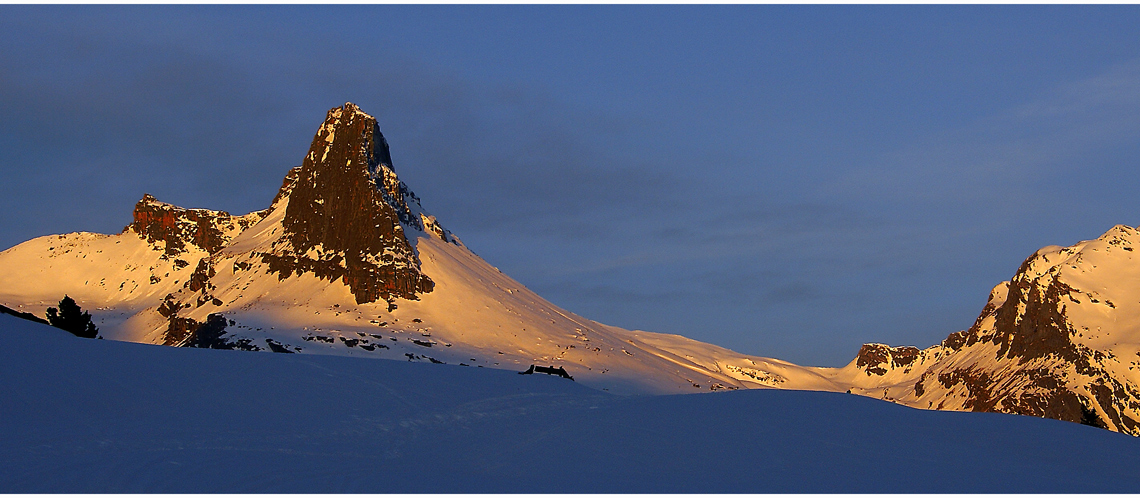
{"x": 786, "y": 181}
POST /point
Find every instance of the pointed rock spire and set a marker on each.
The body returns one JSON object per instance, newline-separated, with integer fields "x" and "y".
{"x": 344, "y": 213}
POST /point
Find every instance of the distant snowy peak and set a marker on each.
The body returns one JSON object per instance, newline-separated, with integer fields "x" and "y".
{"x": 1061, "y": 339}
{"x": 171, "y": 228}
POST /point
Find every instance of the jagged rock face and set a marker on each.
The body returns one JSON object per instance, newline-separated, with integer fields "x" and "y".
{"x": 344, "y": 214}
{"x": 178, "y": 227}
{"x": 1031, "y": 322}
{"x": 286, "y": 186}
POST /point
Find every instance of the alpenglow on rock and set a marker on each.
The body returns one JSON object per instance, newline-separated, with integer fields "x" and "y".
{"x": 344, "y": 214}
{"x": 176, "y": 227}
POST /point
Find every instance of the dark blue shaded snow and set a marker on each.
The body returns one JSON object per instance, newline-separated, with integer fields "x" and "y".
{"x": 81, "y": 415}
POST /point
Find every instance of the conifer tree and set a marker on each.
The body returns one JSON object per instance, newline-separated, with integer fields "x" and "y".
{"x": 72, "y": 318}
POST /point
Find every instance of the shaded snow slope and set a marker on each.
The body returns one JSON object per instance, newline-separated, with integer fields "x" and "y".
{"x": 83, "y": 415}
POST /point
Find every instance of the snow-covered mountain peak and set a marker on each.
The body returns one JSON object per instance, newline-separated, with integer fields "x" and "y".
{"x": 1060, "y": 339}
{"x": 346, "y": 261}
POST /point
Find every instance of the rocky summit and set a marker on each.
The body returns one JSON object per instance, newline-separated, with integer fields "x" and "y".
{"x": 344, "y": 214}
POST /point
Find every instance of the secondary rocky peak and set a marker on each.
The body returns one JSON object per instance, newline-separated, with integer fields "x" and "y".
{"x": 176, "y": 228}
{"x": 877, "y": 359}
{"x": 347, "y": 211}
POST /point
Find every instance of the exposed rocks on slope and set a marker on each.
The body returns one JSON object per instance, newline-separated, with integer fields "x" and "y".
{"x": 876, "y": 358}
{"x": 177, "y": 227}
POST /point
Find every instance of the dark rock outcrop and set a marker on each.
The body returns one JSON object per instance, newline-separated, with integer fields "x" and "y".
{"x": 178, "y": 227}
{"x": 344, "y": 214}
{"x": 210, "y": 334}
{"x": 876, "y": 359}
{"x": 560, "y": 371}
{"x": 200, "y": 279}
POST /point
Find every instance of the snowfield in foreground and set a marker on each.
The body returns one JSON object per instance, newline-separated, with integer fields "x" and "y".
{"x": 82, "y": 415}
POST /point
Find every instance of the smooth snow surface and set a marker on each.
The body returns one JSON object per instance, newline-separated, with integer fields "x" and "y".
{"x": 82, "y": 415}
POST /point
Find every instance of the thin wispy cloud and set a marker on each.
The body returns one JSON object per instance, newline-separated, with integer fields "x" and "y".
{"x": 999, "y": 161}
